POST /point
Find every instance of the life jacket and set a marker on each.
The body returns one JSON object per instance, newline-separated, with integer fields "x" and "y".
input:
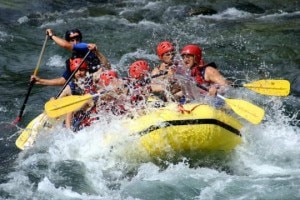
{"x": 75, "y": 90}
{"x": 93, "y": 61}
{"x": 198, "y": 73}
{"x": 82, "y": 118}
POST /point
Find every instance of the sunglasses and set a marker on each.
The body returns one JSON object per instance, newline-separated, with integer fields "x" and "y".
{"x": 74, "y": 38}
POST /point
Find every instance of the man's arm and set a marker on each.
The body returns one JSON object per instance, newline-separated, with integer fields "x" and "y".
{"x": 50, "y": 82}
{"x": 103, "y": 59}
{"x": 59, "y": 41}
{"x": 214, "y": 76}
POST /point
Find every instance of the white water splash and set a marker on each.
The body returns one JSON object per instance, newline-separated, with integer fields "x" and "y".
{"x": 56, "y": 61}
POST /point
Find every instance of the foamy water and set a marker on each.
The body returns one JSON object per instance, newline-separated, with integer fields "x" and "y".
{"x": 103, "y": 161}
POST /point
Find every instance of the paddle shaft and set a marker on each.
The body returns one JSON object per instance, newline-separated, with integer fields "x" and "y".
{"x": 31, "y": 83}
{"x": 245, "y": 109}
{"x": 206, "y": 89}
{"x": 159, "y": 74}
{"x": 57, "y": 107}
{"x": 72, "y": 75}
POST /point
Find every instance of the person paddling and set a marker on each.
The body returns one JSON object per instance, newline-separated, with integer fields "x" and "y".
{"x": 112, "y": 94}
{"x": 165, "y": 51}
{"x": 81, "y": 84}
{"x": 73, "y": 42}
{"x": 202, "y": 73}
{"x": 106, "y": 84}
{"x": 142, "y": 90}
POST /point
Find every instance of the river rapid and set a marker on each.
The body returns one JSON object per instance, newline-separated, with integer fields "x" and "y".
{"x": 249, "y": 40}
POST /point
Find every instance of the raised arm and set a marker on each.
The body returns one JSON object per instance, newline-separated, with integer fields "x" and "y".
{"x": 59, "y": 41}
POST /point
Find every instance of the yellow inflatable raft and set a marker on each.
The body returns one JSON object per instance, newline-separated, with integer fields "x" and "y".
{"x": 188, "y": 128}
{"x": 192, "y": 127}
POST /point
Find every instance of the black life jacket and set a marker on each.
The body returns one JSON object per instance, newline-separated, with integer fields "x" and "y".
{"x": 92, "y": 60}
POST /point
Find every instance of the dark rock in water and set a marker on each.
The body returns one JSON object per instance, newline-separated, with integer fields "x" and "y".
{"x": 249, "y": 7}
{"x": 202, "y": 11}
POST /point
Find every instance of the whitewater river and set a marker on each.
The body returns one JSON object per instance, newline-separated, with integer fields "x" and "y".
{"x": 249, "y": 40}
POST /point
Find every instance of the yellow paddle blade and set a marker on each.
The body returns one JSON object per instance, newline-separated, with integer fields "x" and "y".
{"x": 28, "y": 135}
{"x": 270, "y": 87}
{"x": 247, "y": 110}
{"x": 57, "y": 107}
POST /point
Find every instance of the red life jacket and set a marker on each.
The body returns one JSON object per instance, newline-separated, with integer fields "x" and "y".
{"x": 198, "y": 73}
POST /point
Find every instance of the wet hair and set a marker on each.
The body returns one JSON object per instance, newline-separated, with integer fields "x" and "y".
{"x": 70, "y": 32}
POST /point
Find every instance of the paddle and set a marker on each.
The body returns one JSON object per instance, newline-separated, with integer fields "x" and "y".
{"x": 268, "y": 87}
{"x": 64, "y": 86}
{"x": 245, "y": 109}
{"x": 26, "y": 135}
{"x": 18, "y": 119}
{"x": 58, "y": 107}
{"x": 72, "y": 75}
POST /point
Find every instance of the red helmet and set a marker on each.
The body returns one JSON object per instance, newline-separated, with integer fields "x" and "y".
{"x": 193, "y": 50}
{"x": 107, "y": 76}
{"x": 138, "y": 69}
{"x": 164, "y": 47}
{"x": 75, "y": 62}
